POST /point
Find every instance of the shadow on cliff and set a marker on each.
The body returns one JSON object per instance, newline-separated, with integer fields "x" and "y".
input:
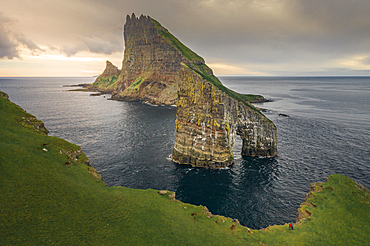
{"x": 235, "y": 191}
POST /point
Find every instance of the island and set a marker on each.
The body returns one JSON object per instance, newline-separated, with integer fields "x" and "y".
{"x": 157, "y": 68}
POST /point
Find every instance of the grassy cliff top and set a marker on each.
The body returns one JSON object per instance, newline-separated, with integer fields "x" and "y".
{"x": 337, "y": 212}
{"x": 49, "y": 198}
{"x": 166, "y": 35}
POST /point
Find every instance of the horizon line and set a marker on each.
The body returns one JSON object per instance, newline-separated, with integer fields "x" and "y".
{"x": 223, "y": 75}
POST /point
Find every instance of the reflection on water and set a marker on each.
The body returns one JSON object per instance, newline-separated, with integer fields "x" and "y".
{"x": 130, "y": 143}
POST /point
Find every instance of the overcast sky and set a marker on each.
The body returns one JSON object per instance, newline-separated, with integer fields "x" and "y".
{"x": 245, "y": 37}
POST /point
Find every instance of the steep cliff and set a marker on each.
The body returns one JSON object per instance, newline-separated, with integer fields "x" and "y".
{"x": 209, "y": 116}
{"x": 151, "y": 64}
{"x": 159, "y": 69}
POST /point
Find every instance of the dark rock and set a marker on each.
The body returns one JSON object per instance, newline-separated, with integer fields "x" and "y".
{"x": 162, "y": 192}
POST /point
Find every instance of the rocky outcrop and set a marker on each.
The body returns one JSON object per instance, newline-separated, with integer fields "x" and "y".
{"x": 107, "y": 80}
{"x": 4, "y": 95}
{"x": 35, "y": 124}
{"x": 209, "y": 116}
{"x": 159, "y": 69}
{"x": 110, "y": 70}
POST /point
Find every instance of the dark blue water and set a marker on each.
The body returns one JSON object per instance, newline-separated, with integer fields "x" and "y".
{"x": 328, "y": 132}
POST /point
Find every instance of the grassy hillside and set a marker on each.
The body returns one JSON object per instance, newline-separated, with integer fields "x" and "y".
{"x": 48, "y": 196}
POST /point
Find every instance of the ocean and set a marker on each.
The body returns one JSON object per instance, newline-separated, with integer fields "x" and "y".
{"x": 323, "y": 128}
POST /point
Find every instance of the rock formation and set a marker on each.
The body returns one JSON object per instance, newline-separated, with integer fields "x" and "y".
{"x": 151, "y": 64}
{"x": 107, "y": 80}
{"x": 209, "y": 116}
{"x": 159, "y": 69}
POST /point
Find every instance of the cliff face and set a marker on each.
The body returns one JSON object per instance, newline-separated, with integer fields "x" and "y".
{"x": 149, "y": 69}
{"x": 208, "y": 119}
{"x": 151, "y": 64}
{"x": 159, "y": 69}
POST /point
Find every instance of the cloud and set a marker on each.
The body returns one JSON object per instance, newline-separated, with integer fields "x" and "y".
{"x": 356, "y": 62}
{"x": 28, "y": 43}
{"x": 335, "y": 72}
{"x": 366, "y": 60}
{"x": 269, "y": 36}
{"x": 221, "y": 68}
{"x": 11, "y": 42}
{"x": 64, "y": 58}
{"x": 8, "y": 47}
{"x": 106, "y": 44}
{"x": 72, "y": 50}
{"x": 91, "y": 71}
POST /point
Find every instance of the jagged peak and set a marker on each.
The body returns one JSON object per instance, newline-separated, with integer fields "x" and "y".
{"x": 110, "y": 70}
{"x": 133, "y": 18}
{"x": 108, "y": 63}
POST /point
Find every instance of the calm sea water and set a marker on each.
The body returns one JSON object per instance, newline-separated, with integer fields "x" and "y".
{"x": 327, "y": 131}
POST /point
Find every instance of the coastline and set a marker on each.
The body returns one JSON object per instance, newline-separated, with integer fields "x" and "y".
{"x": 89, "y": 88}
{"x": 76, "y": 184}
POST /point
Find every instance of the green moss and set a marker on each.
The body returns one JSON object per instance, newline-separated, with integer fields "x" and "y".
{"x": 105, "y": 82}
{"x": 136, "y": 83}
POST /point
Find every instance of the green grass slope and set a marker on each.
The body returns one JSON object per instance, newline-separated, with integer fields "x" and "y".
{"x": 336, "y": 213}
{"x": 49, "y": 196}
{"x": 105, "y": 83}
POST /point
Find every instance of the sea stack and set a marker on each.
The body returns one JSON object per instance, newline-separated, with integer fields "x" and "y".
{"x": 159, "y": 69}
{"x": 209, "y": 116}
